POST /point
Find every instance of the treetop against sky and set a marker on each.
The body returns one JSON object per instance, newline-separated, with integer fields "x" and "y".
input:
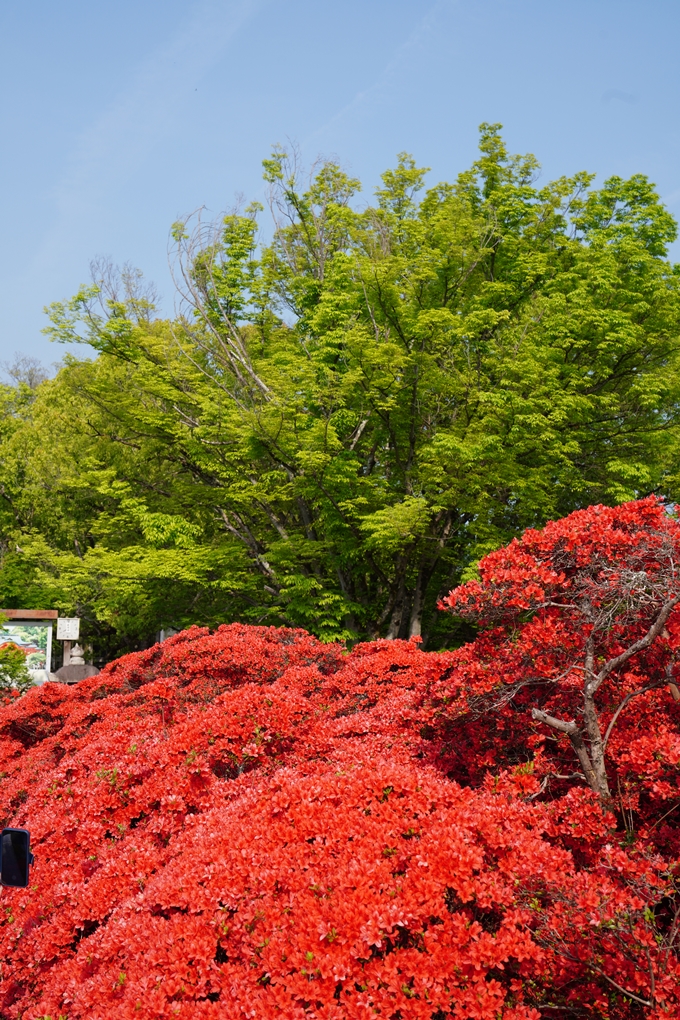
{"x": 340, "y": 422}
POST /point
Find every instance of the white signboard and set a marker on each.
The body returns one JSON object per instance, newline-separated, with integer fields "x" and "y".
{"x": 68, "y": 630}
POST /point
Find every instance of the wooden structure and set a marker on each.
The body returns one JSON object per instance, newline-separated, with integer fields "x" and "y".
{"x": 32, "y": 618}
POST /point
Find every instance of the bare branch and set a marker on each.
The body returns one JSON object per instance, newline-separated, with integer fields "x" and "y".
{"x": 620, "y": 988}
{"x": 575, "y": 736}
{"x": 638, "y": 646}
{"x": 556, "y": 724}
{"x": 357, "y": 433}
{"x": 247, "y": 538}
{"x": 229, "y": 347}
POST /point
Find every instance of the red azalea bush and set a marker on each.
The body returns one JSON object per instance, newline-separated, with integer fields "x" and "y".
{"x": 250, "y": 823}
{"x": 584, "y": 625}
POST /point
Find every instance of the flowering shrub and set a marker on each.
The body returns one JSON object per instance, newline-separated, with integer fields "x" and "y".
{"x": 249, "y": 823}
{"x": 584, "y": 640}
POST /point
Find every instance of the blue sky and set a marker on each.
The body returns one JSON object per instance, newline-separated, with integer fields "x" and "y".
{"x": 118, "y": 117}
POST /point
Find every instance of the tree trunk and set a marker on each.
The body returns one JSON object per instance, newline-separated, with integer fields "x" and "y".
{"x": 596, "y": 743}
{"x": 397, "y": 614}
{"x": 415, "y": 621}
{"x": 595, "y": 777}
{"x": 592, "y": 778}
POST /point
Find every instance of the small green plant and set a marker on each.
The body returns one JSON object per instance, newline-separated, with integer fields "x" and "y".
{"x": 13, "y": 672}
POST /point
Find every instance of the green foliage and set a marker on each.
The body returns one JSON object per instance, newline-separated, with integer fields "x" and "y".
{"x": 343, "y": 421}
{"x": 14, "y": 675}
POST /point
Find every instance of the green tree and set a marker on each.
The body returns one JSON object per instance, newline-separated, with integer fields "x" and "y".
{"x": 340, "y": 423}
{"x": 97, "y": 523}
{"x": 14, "y": 675}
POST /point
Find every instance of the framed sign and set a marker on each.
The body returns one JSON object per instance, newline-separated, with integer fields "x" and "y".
{"x": 30, "y": 630}
{"x": 68, "y": 629}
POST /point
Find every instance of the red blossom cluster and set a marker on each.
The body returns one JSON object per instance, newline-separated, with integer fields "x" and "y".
{"x": 252, "y": 824}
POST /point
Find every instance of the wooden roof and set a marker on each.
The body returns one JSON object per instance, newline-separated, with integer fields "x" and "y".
{"x": 30, "y": 614}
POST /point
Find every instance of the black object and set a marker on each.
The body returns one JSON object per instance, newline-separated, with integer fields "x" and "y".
{"x": 15, "y": 857}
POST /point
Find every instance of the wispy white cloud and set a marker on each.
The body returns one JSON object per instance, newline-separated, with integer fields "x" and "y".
{"x": 616, "y": 95}
{"x": 671, "y": 199}
{"x": 365, "y": 102}
{"x": 145, "y": 112}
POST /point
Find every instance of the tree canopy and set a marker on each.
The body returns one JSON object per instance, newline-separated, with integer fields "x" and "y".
{"x": 341, "y": 421}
